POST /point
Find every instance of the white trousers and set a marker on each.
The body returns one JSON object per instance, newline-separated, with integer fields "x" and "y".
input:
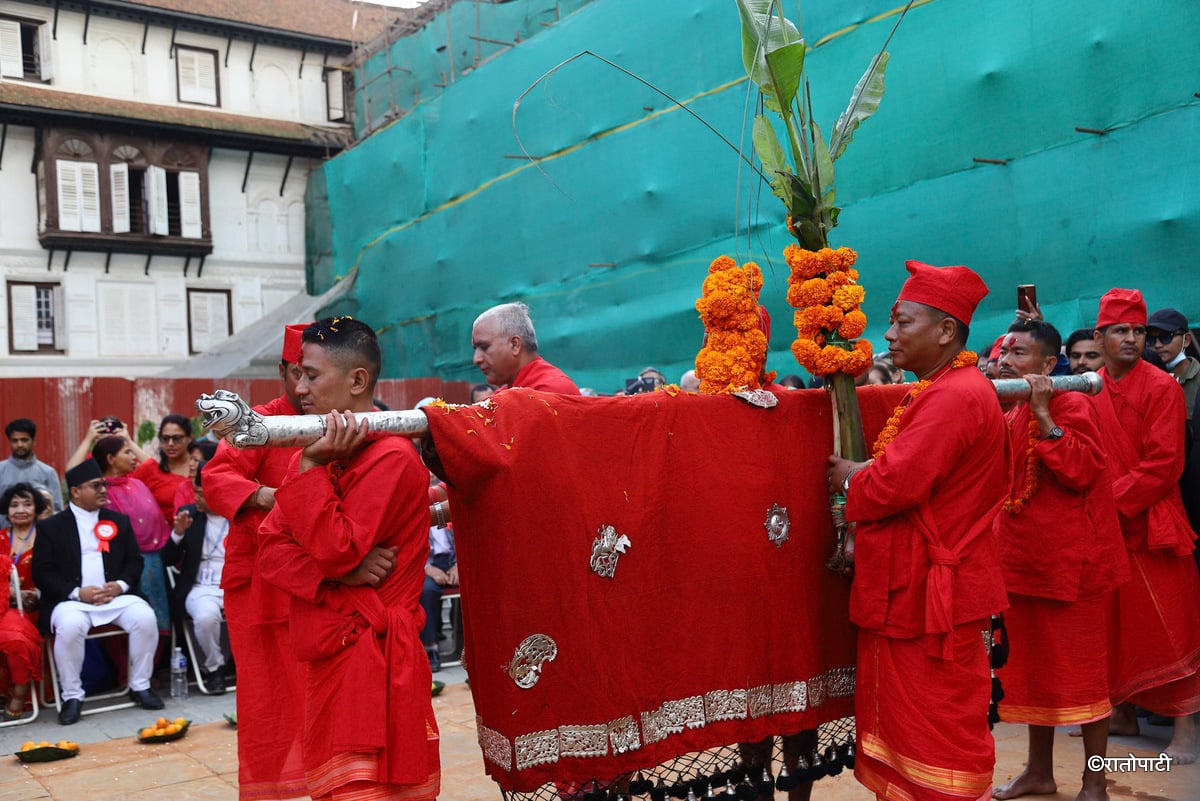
{"x": 205, "y": 604}
{"x": 71, "y": 622}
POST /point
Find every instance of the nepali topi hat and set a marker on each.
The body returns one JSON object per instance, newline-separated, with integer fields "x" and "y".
{"x": 954, "y": 290}
{"x": 1121, "y": 306}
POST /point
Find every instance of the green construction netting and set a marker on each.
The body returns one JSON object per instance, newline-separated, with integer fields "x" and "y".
{"x": 608, "y": 243}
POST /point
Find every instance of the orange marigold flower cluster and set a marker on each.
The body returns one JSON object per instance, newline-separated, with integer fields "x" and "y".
{"x": 735, "y": 350}
{"x": 823, "y": 288}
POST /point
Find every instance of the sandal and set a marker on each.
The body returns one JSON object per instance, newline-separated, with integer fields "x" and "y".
{"x": 10, "y": 715}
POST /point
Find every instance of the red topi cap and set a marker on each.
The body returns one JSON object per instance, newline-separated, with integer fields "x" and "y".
{"x": 1121, "y": 306}
{"x": 291, "y": 342}
{"x": 953, "y": 290}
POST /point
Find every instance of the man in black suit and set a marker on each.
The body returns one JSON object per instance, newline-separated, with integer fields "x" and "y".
{"x": 197, "y": 547}
{"x": 87, "y": 566}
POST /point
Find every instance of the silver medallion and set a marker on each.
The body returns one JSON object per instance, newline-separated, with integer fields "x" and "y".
{"x": 606, "y": 550}
{"x": 761, "y": 398}
{"x": 777, "y": 524}
{"x": 526, "y": 666}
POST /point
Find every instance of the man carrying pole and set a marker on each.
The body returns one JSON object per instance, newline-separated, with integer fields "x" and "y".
{"x": 927, "y": 571}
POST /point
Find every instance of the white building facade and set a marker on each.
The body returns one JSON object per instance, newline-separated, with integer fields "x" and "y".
{"x": 153, "y": 165}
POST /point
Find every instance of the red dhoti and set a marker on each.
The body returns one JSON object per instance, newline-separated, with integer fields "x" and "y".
{"x": 903, "y": 686}
{"x": 269, "y": 702}
{"x": 1057, "y": 671}
{"x": 1154, "y": 654}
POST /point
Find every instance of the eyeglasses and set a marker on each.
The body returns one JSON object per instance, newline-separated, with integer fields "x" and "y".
{"x": 97, "y": 485}
{"x": 1163, "y": 339}
{"x": 171, "y": 438}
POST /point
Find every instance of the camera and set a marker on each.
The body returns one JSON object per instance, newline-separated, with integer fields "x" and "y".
{"x": 636, "y": 386}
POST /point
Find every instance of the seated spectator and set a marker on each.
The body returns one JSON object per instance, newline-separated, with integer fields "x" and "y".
{"x": 197, "y": 548}
{"x": 1083, "y": 354}
{"x": 441, "y": 571}
{"x": 199, "y": 451}
{"x": 481, "y": 392}
{"x": 129, "y": 496}
{"x": 86, "y": 566}
{"x": 690, "y": 382}
{"x": 20, "y": 643}
{"x": 23, "y": 466}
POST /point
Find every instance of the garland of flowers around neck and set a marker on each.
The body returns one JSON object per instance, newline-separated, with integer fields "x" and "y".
{"x": 964, "y": 359}
{"x": 1032, "y": 470}
{"x": 735, "y": 347}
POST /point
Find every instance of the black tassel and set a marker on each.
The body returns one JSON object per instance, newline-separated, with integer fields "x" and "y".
{"x": 659, "y": 792}
{"x": 746, "y": 791}
{"x": 785, "y": 781}
{"x": 994, "y": 705}
{"x": 833, "y": 761}
{"x": 678, "y": 790}
{"x": 718, "y": 778}
{"x": 641, "y": 785}
{"x": 737, "y": 774}
{"x": 766, "y": 785}
{"x": 698, "y": 786}
{"x": 999, "y": 642}
{"x": 848, "y": 760}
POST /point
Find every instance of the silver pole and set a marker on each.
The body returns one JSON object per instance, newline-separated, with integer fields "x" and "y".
{"x": 1018, "y": 388}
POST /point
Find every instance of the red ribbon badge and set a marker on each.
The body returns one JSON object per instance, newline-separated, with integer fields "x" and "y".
{"x": 105, "y": 531}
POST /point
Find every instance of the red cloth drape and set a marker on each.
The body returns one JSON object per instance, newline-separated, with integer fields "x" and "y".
{"x": 706, "y": 634}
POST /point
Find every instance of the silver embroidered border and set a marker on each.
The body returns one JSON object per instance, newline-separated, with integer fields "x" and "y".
{"x": 673, "y": 717}
{"x": 623, "y": 734}
{"x": 496, "y": 747}
{"x": 725, "y": 705}
{"x": 536, "y": 748}
{"x": 583, "y": 741}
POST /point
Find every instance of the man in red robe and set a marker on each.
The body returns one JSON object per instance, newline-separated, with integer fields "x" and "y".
{"x": 240, "y": 486}
{"x": 1062, "y": 553}
{"x": 506, "y": 350}
{"x": 927, "y": 572}
{"x": 1154, "y": 637}
{"x": 369, "y": 730}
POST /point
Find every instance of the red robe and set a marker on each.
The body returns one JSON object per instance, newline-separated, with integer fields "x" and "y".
{"x": 20, "y": 642}
{"x": 1154, "y": 631}
{"x": 1062, "y": 552}
{"x": 270, "y": 698}
{"x": 162, "y": 486}
{"x": 927, "y": 577}
{"x": 369, "y": 724}
{"x": 542, "y": 375}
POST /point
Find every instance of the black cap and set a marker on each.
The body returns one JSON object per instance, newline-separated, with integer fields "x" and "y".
{"x": 1167, "y": 321}
{"x": 83, "y": 473}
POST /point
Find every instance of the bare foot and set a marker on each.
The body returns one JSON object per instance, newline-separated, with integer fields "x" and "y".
{"x": 1182, "y": 748}
{"x": 1092, "y": 793}
{"x": 1124, "y": 722}
{"x": 1026, "y": 784}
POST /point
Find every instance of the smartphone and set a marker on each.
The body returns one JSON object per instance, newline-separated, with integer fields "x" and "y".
{"x": 1026, "y": 297}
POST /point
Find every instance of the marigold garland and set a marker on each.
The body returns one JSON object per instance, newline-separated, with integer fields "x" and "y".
{"x": 1032, "y": 469}
{"x": 823, "y": 288}
{"x": 735, "y": 349}
{"x": 890, "y": 429}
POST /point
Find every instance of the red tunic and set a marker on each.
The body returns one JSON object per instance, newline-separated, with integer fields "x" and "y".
{"x": 20, "y": 642}
{"x": 270, "y": 698}
{"x": 369, "y": 723}
{"x": 162, "y": 485}
{"x": 542, "y": 375}
{"x": 1154, "y": 633}
{"x": 927, "y": 577}
{"x": 1062, "y": 552}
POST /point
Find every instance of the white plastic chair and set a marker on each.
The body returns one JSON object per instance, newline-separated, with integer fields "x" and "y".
{"x": 15, "y": 582}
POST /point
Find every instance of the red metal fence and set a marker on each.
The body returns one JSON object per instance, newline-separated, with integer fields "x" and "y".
{"x": 63, "y": 407}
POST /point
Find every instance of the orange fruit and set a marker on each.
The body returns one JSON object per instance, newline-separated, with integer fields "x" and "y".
{"x": 161, "y": 723}
{"x": 172, "y": 729}
{"x": 63, "y": 744}
{"x": 146, "y": 732}
{"x": 43, "y": 744}
{"x": 28, "y": 745}
{"x": 180, "y": 722}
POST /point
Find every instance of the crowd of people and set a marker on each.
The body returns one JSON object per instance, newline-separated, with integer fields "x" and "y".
{"x": 1072, "y": 516}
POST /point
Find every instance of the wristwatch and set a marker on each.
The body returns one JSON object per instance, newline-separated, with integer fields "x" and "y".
{"x": 846, "y": 482}
{"x": 1055, "y": 433}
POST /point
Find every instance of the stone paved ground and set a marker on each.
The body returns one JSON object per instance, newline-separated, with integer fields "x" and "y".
{"x": 112, "y": 766}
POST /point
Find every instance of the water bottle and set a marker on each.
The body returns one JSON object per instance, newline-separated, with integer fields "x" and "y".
{"x": 179, "y": 680}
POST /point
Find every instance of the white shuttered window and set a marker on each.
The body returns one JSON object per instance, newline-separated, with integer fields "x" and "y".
{"x": 197, "y": 74}
{"x": 189, "y": 205}
{"x": 120, "y": 197}
{"x": 78, "y": 196}
{"x": 155, "y": 193}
